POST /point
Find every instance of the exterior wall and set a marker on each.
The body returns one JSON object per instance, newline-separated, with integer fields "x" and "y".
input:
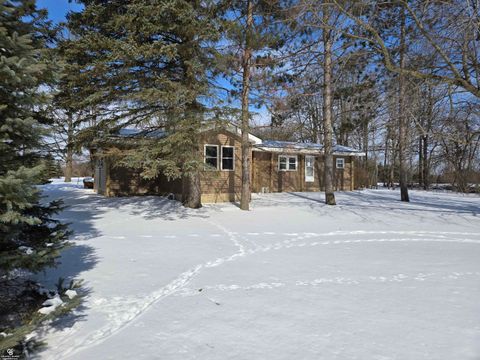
{"x": 124, "y": 182}
{"x": 225, "y": 185}
{"x": 267, "y": 176}
{"x": 222, "y": 185}
{"x": 121, "y": 181}
{"x": 344, "y": 179}
{"x": 100, "y": 177}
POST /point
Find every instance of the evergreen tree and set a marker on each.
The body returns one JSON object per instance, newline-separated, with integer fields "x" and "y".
{"x": 23, "y": 222}
{"x": 145, "y": 64}
{"x": 30, "y": 239}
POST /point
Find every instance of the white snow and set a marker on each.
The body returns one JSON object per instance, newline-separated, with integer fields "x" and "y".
{"x": 26, "y": 249}
{"x": 371, "y": 278}
{"x": 50, "y": 305}
{"x": 71, "y": 293}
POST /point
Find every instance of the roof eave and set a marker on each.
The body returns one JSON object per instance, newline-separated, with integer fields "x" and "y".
{"x": 304, "y": 151}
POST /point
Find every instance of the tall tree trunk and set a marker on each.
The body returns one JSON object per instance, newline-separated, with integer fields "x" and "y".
{"x": 393, "y": 159}
{"x": 385, "y": 162}
{"x": 247, "y": 60}
{"x": 327, "y": 109}
{"x": 402, "y": 128}
{"x": 368, "y": 183}
{"x": 193, "y": 116}
{"x": 69, "y": 155}
{"x": 192, "y": 191}
{"x": 420, "y": 161}
{"x": 426, "y": 182}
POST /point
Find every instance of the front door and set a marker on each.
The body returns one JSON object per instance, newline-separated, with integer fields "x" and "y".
{"x": 309, "y": 171}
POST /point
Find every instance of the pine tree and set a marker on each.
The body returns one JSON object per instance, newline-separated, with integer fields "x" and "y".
{"x": 145, "y": 64}
{"x": 23, "y": 222}
{"x": 30, "y": 239}
{"x": 255, "y": 33}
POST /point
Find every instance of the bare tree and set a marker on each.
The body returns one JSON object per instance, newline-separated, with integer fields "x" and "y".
{"x": 447, "y": 29}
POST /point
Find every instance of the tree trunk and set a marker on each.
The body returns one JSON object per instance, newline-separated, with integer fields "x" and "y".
{"x": 385, "y": 163}
{"x": 368, "y": 183}
{"x": 402, "y": 128}
{"x": 393, "y": 159}
{"x": 426, "y": 182}
{"x": 327, "y": 110}
{"x": 69, "y": 155}
{"x": 192, "y": 191}
{"x": 247, "y": 59}
{"x": 193, "y": 116}
{"x": 420, "y": 161}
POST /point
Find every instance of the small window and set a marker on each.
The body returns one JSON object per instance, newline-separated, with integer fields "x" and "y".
{"x": 340, "y": 163}
{"x": 211, "y": 157}
{"x": 228, "y": 160}
{"x": 292, "y": 163}
{"x": 287, "y": 163}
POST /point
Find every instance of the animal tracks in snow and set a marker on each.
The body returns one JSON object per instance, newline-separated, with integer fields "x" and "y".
{"x": 120, "y": 312}
{"x": 419, "y": 277}
{"x": 436, "y": 234}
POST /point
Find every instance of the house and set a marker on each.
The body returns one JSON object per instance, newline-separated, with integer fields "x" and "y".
{"x": 276, "y": 166}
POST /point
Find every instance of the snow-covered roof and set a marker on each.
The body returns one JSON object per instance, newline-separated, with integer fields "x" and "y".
{"x": 158, "y": 134}
{"x": 259, "y": 144}
{"x": 275, "y": 145}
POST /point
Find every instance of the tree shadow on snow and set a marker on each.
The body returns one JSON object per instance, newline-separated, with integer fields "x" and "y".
{"x": 377, "y": 200}
{"x": 84, "y": 209}
{"x": 87, "y": 213}
{"x": 428, "y": 202}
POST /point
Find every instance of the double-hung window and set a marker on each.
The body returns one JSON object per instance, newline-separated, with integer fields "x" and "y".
{"x": 223, "y": 159}
{"x": 287, "y": 163}
{"x": 211, "y": 157}
{"x": 340, "y": 163}
{"x": 228, "y": 158}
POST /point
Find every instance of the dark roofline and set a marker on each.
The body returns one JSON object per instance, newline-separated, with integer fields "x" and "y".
{"x": 292, "y": 146}
{"x": 259, "y": 144}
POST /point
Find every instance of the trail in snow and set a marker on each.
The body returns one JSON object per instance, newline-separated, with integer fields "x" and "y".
{"x": 121, "y": 311}
{"x": 419, "y": 277}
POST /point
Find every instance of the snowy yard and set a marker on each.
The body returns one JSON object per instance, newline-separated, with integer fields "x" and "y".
{"x": 371, "y": 278}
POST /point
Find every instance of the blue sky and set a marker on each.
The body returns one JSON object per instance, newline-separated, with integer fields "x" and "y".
{"x": 57, "y": 9}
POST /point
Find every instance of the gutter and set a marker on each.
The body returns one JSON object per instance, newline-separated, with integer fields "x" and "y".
{"x": 303, "y": 151}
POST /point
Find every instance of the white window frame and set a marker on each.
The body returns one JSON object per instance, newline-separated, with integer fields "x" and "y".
{"x": 288, "y": 157}
{"x": 207, "y": 166}
{"x": 310, "y": 179}
{"x": 221, "y": 157}
{"x": 342, "y": 161}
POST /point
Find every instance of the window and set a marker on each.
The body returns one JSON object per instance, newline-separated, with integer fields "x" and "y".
{"x": 228, "y": 159}
{"x": 287, "y": 163}
{"x": 309, "y": 169}
{"x": 211, "y": 157}
{"x": 340, "y": 163}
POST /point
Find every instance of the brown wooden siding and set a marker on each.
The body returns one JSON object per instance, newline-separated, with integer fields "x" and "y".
{"x": 222, "y": 185}
{"x": 123, "y": 182}
{"x": 266, "y": 174}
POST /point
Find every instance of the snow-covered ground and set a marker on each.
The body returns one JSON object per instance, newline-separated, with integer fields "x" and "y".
{"x": 371, "y": 278}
